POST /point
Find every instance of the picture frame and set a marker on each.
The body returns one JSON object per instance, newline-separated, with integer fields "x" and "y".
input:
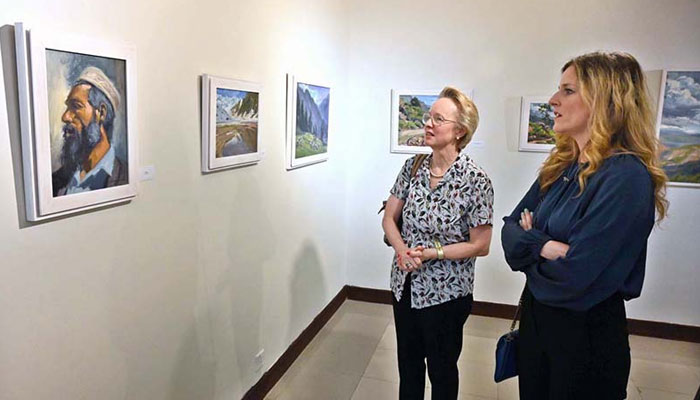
{"x": 407, "y": 108}
{"x": 536, "y": 122}
{"x": 308, "y": 122}
{"x": 230, "y": 123}
{"x": 678, "y": 126}
{"x": 57, "y": 75}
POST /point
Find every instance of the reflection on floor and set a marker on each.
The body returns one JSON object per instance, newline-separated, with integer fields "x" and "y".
{"x": 354, "y": 357}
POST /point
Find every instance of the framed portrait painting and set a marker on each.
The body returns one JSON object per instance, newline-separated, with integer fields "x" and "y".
{"x": 230, "y": 123}
{"x": 77, "y": 111}
{"x": 536, "y": 125}
{"x": 678, "y": 126}
{"x": 407, "y": 109}
{"x": 308, "y": 116}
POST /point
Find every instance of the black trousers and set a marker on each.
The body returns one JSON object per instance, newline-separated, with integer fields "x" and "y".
{"x": 566, "y": 354}
{"x": 433, "y": 333}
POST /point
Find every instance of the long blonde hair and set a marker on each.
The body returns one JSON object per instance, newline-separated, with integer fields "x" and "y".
{"x": 613, "y": 87}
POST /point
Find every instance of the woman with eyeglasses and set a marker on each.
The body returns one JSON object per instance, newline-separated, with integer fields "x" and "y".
{"x": 447, "y": 207}
{"x": 580, "y": 233}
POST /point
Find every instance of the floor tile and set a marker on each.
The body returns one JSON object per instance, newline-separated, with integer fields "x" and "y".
{"x": 476, "y": 348}
{"x": 653, "y": 394}
{"x": 633, "y": 392}
{"x": 370, "y": 309}
{"x": 476, "y": 380}
{"x": 664, "y": 376}
{"x": 384, "y": 366}
{"x": 370, "y": 389}
{"x": 670, "y": 351}
{"x": 314, "y": 385}
{"x": 388, "y": 340}
{"x": 486, "y": 327}
{"x": 508, "y": 389}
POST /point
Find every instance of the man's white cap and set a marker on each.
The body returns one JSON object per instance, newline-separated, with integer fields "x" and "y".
{"x": 98, "y": 79}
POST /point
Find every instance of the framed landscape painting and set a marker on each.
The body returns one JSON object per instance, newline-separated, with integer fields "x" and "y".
{"x": 308, "y": 116}
{"x": 536, "y": 125}
{"x": 407, "y": 108}
{"x": 230, "y": 123}
{"x": 77, "y": 110}
{"x": 678, "y": 126}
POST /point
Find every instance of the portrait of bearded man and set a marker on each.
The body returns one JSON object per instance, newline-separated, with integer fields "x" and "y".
{"x": 88, "y": 158}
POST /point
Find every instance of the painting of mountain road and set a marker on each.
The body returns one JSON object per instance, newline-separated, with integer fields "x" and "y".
{"x": 540, "y": 128}
{"x": 411, "y": 110}
{"x": 312, "y": 120}
{"x": 679, "y": 131}
{"x": 236, "y": 122}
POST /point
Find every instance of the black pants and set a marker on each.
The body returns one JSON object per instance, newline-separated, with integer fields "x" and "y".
{"x": 434, "y": 333}
{"x": 565, "y": 354}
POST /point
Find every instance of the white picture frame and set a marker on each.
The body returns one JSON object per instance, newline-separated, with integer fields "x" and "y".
{"x": 304, "y": 148}
{"x": 526, "y": 141}
{"x": 230, "y": 123}
{"x": 401, "y": 135}
{"x": 678, "y": 125}
{"x": 38, "y": 129}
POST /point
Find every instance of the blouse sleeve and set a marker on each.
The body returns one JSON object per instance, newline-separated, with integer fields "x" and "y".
{"x": 614, "y": 227}
{"x": 522, "y": 248}
{"x": 400, "y": 188}
{"x": 480, "y": 202}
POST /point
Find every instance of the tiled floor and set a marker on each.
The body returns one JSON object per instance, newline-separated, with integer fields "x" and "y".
{"x": 354, "y": 357}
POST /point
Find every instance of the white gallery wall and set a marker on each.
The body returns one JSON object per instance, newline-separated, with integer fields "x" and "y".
{"x": 172, "y": 295}
{"x": 504, "y": 50}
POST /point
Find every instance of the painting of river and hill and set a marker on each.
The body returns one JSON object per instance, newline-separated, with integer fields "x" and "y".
{"x": 679, "y": 130}
{"x": 411, "y": 110}
{"x": 311, "y": 132}
{"x": 236, "y": 122}
{"x": 540, "y": 128}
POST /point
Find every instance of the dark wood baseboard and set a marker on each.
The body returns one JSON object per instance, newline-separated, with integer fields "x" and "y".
{"x": 661, "y": 330}
{"x": 277, "y": 370}
{"x": 655, "y": 329}
{"x": 380, "y": 296}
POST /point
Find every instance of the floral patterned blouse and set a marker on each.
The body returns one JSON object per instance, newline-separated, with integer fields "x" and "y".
{"x": 463, "y": 199}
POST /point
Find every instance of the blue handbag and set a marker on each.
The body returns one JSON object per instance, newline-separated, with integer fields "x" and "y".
{"x": 507, "y": 351}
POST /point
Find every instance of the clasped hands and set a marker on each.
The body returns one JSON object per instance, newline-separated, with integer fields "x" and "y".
{"x": 412, "y": 259}
{"x": 551, "y": 250}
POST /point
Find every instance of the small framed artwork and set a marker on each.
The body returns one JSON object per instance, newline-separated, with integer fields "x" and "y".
{"x": 230, "y": 123}
{"x": 77, "y": 116}
{"x": 678, "y": 126}
{"x": 536, "y": 125}
{"x": 407, "y": 109}
{"x": 308, "y": 116}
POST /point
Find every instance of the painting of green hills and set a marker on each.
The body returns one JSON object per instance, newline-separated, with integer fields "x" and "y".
{"x": 679, "y": 130}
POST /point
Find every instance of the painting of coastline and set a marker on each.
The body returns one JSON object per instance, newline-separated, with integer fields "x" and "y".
{"x": 411, "y": 110}
{"x": 236, "y": 122}
{"x": 679, "y": 129}
{"x": 311, "y": 133}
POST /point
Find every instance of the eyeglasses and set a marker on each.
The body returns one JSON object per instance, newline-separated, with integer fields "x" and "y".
{"x": 438, "y": 120}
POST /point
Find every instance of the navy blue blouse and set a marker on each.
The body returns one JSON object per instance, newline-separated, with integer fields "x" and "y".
{"x": 606, "y": 228}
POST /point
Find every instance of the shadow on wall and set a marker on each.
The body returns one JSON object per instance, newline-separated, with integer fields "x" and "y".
{"x": 308, "y": 292}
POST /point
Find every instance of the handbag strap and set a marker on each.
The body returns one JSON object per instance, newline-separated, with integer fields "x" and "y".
{"x": 414, "y": 170}
{"x": 517, "y": 311}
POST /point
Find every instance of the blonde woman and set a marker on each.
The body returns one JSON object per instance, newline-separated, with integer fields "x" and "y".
{"x": 580, "y": 233}
{"x": 447, "y": 208}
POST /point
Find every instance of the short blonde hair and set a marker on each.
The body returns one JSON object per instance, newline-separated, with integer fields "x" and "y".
{"x": 467, "y": 114}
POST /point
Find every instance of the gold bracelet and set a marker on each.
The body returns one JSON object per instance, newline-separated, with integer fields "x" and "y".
{"x": 438, "y": 248}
